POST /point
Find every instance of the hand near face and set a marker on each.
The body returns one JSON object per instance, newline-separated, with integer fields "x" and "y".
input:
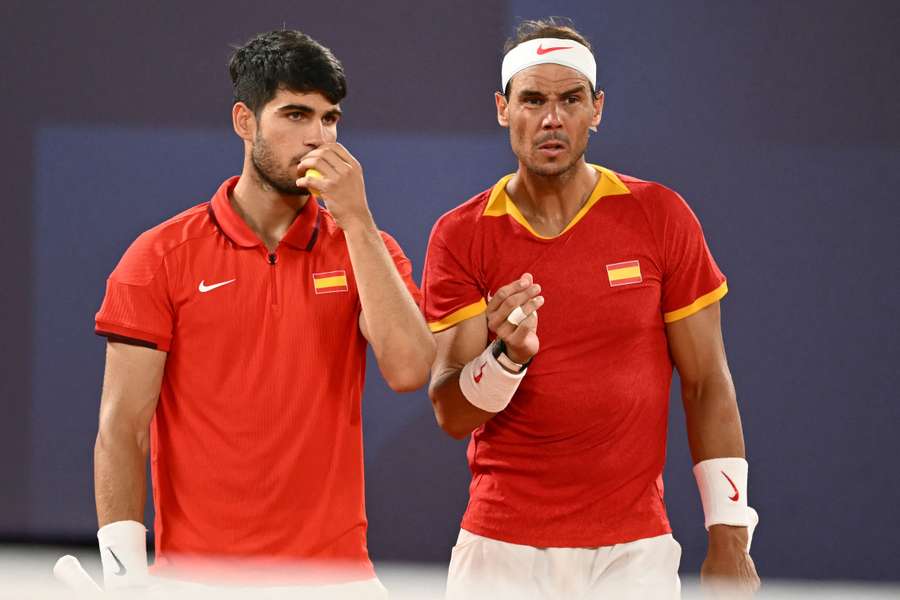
{"x": 341, "y": 185}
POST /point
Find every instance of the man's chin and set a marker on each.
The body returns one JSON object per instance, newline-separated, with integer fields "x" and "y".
{"x": 284, "y": 188}
{"x": 549, "y": 168}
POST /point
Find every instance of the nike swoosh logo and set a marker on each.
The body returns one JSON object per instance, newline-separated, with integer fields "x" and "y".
{"x": 737, "y": 494}
{"x": 478, "y": 377}
{"x": 541, "y": 50}
{"x": 122, "y": 570}
{"x": 208, "y": 288}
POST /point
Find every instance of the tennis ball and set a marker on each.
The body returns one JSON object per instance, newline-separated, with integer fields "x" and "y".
{"x": 313, "y": 174}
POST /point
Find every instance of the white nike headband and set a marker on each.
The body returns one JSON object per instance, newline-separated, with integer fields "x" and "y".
{"x": 567, "y": 53}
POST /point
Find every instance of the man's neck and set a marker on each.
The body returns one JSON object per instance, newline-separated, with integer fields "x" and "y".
{"x": 267, "y": 212}
{"x": 549, "y": 203}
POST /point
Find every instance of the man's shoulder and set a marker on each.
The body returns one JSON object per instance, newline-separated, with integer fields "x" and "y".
{"x": 463, "y": 219}
{"x": 148, "y": 251}
{"x": 652, "y": 196}
{"x": 195, "y": 222}
{"x": 645, "y": 189}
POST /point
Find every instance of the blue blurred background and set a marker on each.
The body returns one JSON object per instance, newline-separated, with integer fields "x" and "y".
{"x": 779, "y": 122}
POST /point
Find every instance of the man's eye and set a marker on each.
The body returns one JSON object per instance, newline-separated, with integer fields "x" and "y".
{"x": 330, "y": 119}
{"x": 573, "y": 99}
{"x": 295, "y": 116}
{"x": 534, "y": 101}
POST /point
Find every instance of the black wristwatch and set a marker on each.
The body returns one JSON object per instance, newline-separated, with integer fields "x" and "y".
{"x": 499, "y": 352}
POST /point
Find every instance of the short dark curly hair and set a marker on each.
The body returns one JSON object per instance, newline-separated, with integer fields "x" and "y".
{"x": 284, "y": 59}
{"x": 551, "y": 27}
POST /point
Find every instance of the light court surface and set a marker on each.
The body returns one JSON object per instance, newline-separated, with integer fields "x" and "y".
{"x": 25, "y": 574}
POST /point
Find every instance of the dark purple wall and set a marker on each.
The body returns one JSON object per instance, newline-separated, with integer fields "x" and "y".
{"x": 778, "y": 122}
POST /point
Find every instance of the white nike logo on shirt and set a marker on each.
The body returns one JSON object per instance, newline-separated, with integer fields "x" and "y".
{"x": 208, "y": 288}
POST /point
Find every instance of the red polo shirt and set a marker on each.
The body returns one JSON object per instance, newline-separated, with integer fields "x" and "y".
{"x": 576, "y": 458}
{"x": 256, "y": 445}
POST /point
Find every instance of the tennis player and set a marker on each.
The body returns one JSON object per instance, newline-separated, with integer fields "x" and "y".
{"x": 568, "y": 418}
{"x": 237, "y": 334}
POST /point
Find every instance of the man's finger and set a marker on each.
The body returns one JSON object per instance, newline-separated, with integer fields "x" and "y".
{"x": 499, "y": 316}
{"x": 517, "y": 336}
{"x": 522, "y": 312}
{"x": 339, "y": 162}
{"x": 320, "y": 163}
{"x": 344, "y": 154}
{"x": 505, "y": 291}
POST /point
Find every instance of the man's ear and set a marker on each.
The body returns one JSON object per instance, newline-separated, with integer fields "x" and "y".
{"x": 244, "y": 121}
{"x": 598, "y": 109}
{"x": 502, "y": 109}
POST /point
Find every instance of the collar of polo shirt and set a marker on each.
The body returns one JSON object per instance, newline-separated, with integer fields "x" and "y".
{"x": 300, "y": 235}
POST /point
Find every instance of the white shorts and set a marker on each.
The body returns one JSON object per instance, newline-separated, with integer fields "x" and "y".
{"x": 484, "y": 568}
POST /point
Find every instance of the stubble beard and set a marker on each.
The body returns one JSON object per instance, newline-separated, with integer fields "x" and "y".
{"x": 551, "y": 169}
{"x": 270, "y": 173}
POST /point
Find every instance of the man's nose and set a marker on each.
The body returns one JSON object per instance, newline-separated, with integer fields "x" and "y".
{"x": 317, "y": 134}
{"x": 551, "y": 118}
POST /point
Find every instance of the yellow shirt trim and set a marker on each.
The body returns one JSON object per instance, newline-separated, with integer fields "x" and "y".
{"x": 458, "y": 316}
{"x": 499, "y": 203}
{"x": 698, "y": 304}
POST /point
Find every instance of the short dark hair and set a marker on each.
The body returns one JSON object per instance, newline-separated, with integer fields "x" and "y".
{"x": 284, "y": 59}
{"x": 551, "y": 27}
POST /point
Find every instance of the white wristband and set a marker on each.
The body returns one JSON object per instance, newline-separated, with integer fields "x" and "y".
{"x": 123, "y": 552}
{"x": 723, "y": 492}
{"x": 487, "y": 385}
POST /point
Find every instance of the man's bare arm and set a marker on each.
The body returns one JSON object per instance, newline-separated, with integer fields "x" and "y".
{"x": 460, "y": 344}
{"x": 455, "y": 347}
{"x": 390, "y": 319}
{"x": 714, "y": 431}
{"x": 131, "y": 384}
{"x": 707, "y": 391}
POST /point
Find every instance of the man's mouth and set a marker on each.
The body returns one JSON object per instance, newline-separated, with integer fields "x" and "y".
{"x": 551, "y": 148}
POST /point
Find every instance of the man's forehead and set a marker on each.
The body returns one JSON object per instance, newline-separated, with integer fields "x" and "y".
{"x": 548, "y": 78}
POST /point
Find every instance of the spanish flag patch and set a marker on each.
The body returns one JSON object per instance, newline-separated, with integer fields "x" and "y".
{"x": 624, "y": 273}
{"x": 330, "y": 282}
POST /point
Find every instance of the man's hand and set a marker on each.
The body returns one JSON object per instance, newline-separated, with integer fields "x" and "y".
{"x": 341, "y": 185}
{"x": 521, "y": 340}
{"x": 728, "y": 571}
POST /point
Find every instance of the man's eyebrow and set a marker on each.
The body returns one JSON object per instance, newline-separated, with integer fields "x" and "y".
{"x": 296, "y": 108}
{"x": 308, "y": 110}
{"x": 580, "y": 88}
{"x": 575, "y": 90}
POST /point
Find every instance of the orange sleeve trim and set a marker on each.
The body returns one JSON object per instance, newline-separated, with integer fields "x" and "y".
{"x": 698, "y": 304}
{"x": 458, "y": 316}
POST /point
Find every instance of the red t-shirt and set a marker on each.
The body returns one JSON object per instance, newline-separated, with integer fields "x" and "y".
{"x": 576, "y": 458}
{"x": 256, "y": 444}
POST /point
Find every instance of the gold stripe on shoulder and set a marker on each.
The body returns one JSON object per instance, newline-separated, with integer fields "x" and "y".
{"x": 698, "y": 304}
{"x": 458, "y": 316}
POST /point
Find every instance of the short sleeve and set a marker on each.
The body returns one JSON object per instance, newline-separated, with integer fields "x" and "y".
{"x": 404, "y": 266}
{"x": 137, "y": 307}
{"x": 691, "y": 280}
{"x": 450, "y": 290}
